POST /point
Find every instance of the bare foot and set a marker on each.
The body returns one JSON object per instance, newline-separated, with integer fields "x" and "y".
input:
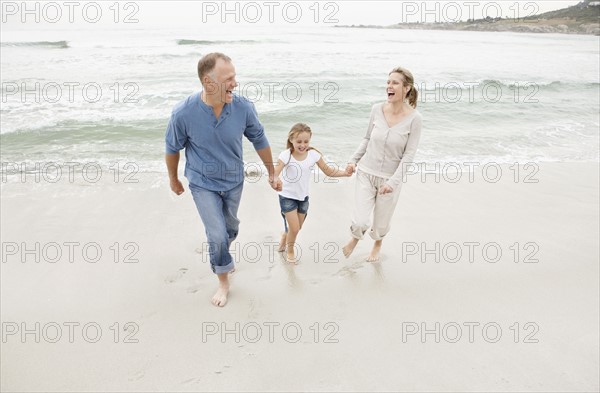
{"x": 220, "y": 297}
{"x": 291, "y": 258}
{"x": 282, "y": 243}
{"x": 374, "y": 256}
{"x": 348, "y": 248}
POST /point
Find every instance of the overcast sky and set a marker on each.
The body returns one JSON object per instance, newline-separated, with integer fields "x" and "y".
{"x": 143, "y": 14}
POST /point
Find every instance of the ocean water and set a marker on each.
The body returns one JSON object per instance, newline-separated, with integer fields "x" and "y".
{"x": 106, "y": 97}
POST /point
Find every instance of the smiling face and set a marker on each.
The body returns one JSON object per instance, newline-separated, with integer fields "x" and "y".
{"x": 220, "y": 82}
{"x": 301, "y": 141}
{"x": 396, "y": 89}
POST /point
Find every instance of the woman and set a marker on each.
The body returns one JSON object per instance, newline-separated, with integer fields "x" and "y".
{"x": 383, "y": 157}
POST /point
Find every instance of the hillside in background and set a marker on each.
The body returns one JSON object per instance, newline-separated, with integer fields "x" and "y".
{"x": 582, "y": 18}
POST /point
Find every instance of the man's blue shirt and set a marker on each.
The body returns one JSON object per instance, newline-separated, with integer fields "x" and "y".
{"x": 213, "y": 148}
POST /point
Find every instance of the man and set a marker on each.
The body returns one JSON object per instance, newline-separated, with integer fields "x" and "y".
{"x": 209, "y": 125}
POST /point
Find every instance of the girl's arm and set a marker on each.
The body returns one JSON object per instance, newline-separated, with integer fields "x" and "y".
{"x": 279, "y": 168}
{"x": 331, "y": 171}
{"x": 276, "y": 183}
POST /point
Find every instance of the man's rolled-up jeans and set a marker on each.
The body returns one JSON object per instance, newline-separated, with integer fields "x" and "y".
{"x": 218, "y": 211}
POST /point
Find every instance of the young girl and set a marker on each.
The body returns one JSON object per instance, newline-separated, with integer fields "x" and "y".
{"x": 296, "y": 164}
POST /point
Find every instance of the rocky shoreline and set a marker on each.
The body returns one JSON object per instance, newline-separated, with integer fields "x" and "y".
{"x": 582, "y": 18}
{"x": 507, "y": 26}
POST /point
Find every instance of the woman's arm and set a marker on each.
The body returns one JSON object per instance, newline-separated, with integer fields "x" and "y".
{"x": 362, "y": 148}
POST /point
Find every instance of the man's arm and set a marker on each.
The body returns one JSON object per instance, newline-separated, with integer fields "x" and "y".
{"x": 267, "y": 159}
{"x": 256, "y": 134}
{"x": 172, "y": 161}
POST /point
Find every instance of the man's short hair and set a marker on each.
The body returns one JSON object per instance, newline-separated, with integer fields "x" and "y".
{"x": 207, "y": 63}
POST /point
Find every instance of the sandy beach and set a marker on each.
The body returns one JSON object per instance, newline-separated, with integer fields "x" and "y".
{"x": 482, "y": 286}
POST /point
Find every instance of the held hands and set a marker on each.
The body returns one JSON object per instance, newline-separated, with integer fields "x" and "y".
{"x": 176, "y": 186}
{"x": 350, "y": 169}
{"x": 275, "y": 184}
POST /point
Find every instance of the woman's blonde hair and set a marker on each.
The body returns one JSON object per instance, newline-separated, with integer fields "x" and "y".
{"x": 409, "y": 80}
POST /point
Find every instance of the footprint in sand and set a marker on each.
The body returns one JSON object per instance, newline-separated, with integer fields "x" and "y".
{"x": 253, "y": 312}
{"x": 345, "y": 272}
{"x": 137, "y": 376}
{"x": 349, "y": 270}
{"x": 177, "y": 276}
{"x": 223, "y": 370}
{"x": 192, "y": 381}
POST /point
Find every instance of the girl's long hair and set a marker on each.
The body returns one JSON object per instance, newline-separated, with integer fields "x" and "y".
{"x": 296, "y": 130}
